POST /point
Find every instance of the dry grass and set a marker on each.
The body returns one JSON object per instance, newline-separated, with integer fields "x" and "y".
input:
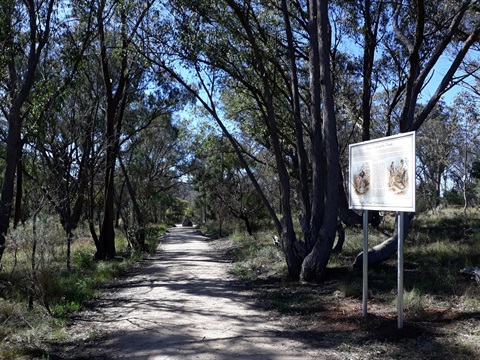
{"x": 34, "y": 304}
{"x": 442, "y": 307}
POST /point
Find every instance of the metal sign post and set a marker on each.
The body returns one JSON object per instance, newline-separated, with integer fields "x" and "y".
{"x": 382, "y": 177}
{"x": 365, "y": 263}
{"x": 400, "y": 270}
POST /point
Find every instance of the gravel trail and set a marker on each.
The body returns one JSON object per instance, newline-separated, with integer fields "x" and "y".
{"x": 182, "y": 304}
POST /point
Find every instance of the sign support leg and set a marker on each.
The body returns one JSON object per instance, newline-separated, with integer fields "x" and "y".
{"x": 400, "y": 271}
{"x": 365, "y": 263}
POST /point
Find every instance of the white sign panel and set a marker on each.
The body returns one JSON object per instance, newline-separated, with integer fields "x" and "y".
{"x": 382, "y": 174}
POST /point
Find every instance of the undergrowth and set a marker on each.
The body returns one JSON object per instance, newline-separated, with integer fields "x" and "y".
{"x": 437, "y": 248}
{"x": 439, "y": 245}
{"x": 256, "y": 257}
{"x": 37, "y": 292}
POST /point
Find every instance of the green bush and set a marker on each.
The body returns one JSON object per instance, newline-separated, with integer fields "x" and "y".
{"x": 453, "y": 197}
{"x": 83, "y": 259}
{"x": 255, "y": 256}
{"x": 35, "y": 301}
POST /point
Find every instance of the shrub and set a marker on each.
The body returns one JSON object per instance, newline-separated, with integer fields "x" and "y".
{"x": 414, "y": 303}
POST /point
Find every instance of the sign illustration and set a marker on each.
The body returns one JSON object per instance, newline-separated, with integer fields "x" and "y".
{"x": 382, "y": 174}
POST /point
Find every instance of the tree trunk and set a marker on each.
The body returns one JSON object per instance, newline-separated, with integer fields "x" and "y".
{"x": 115, "y": 104}
{"x": 140, "y": 233}
{"x": 317, "y": 150}
{"x": 301, "y": 152}
{"x": 18, "y": 92}
{"x": 340, "y": 239}
{"x": 438, "y": 185}
{"x": 289, "y": 241}
{"x": 248, "y": 226}
{"x": 107, "y": 233}
{"x": 96, "y": 240}
{"x": 14, "y": 145}
{"x": 386, "y": 249}
{"x": 293, "y": 255}
{"x": 69, "y": 234}
{"x": 117, "y": 83}
{"x": 315, "y": 264}
{"x": 19, "y": 193}
{"x": 118, "y": 212}
{"x": 34, "y": 257}
{"x": 465, "y": 180}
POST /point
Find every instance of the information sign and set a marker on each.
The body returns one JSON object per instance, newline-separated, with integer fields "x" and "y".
{"x": 382, "y": 174}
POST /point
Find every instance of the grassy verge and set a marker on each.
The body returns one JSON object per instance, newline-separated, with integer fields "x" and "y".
{"x": 442, "y": 307}
{"x": 34, "y": 305}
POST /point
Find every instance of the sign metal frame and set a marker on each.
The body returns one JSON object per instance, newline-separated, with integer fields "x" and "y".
{"x": 382, "y": 174}
{"x": 382, "y": 177}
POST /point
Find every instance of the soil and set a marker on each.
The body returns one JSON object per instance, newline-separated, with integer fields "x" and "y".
{"x": 183, "y": 303}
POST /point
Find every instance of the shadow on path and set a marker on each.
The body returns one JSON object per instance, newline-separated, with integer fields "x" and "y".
{"x": 182, "y": 304}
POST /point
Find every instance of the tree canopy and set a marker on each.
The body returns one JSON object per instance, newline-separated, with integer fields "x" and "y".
{"x": 91, "y": 93}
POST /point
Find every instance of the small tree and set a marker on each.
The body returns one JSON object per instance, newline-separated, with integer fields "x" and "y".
{"x": 222, "y": 183}
{"x": 467, "y": 145}
{"x": 18, "y": 75}
{"x": 435, "y": 148}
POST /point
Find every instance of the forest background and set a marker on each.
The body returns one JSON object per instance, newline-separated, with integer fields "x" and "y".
{"x": 119, "y": 115}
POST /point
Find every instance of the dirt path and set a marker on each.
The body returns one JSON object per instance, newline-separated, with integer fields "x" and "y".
{"x": 182, "y": 304}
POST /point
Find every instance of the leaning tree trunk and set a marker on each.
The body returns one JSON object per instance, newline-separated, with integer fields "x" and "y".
{"x": 386, "y": 249}
{"x": 302, "y": 156}
{"x": 140, "y": 233}
{"x": 289, "y": 241}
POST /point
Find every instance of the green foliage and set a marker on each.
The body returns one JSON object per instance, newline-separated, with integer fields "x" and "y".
{"x": 256, "y": 257}
{"x": 22, "y": 332}
{"x": 175, "y": 214}
{"x": 438, "y": 247}
{"x": 212, "y": 229}
{"x": 153, "y": 232}
{"x": 83, "y": 259}
{"x": 53, "y": 291}
{"x": 262, "y": 261}
{"x": 225, "y": 192}
{"x": 453, "y": 197}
